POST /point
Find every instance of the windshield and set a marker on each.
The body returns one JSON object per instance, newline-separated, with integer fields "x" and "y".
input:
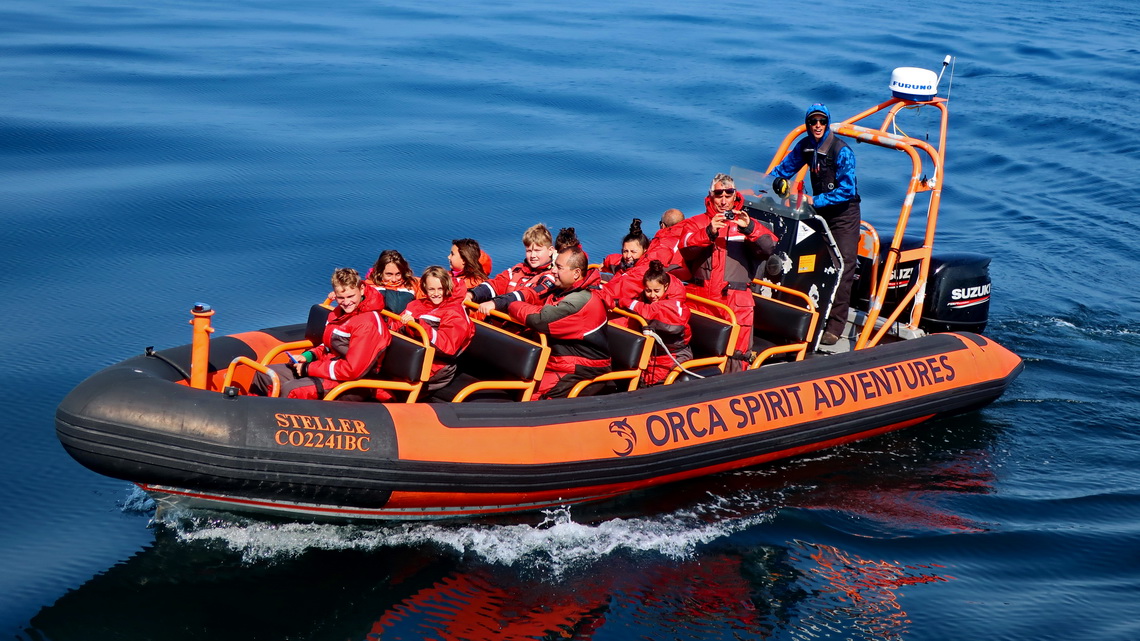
{"x": 756, "y": 187}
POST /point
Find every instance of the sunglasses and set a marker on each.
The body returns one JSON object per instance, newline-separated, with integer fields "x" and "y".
{"x": 817, "y": 121}
{"x": 717, "y": 193}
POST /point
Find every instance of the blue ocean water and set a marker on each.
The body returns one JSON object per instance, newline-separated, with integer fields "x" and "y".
{"x": 157, "y": 154}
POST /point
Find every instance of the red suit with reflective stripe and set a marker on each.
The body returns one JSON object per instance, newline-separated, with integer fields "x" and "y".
{"x": 628, "y": 281}
{"x": 450, "y": 331}
{"x": 724, "y": 262}
{"x": 574, "y": 319}
{"x": 466, "y": 282}
{"x": 395, "y": 298}
{"x": 352, "y": 347}
{"x": 512, "y": 279}
{"x": 625, "y": 283}
{"x": 669, "y": 318}
{"x": 666, "y": 247}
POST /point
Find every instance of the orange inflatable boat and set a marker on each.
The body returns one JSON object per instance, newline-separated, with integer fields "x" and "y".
{"x": 179, "y": 423}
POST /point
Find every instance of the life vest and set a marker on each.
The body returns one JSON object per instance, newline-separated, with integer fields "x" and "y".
{"x": 821, "y": 162}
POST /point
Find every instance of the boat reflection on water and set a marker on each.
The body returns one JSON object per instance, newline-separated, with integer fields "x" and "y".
{"x": 753, "y": 593}
{"x": 769, "y": 552}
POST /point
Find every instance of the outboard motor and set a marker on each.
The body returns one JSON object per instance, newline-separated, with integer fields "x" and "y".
{"x": 958, "y": 293}
{"x": 957, "y": 290}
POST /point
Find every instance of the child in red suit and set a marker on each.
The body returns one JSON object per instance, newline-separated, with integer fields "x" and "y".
{"x": 352, "y": 347}
{"x": 662, "y": 304}
{"x": 442, "y": 314}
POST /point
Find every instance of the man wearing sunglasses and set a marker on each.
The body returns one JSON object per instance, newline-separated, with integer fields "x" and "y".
{"x": 836, "y": 198}
{"x": 723, "y": 248}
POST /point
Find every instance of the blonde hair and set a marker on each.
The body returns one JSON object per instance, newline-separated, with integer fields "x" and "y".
{"x": 346, "y": 278}
{"x": 537, "y": 235}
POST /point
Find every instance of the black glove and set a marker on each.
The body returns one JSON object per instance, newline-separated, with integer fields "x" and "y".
{"x": 780, "y": 186}
{"x": 767, "y": 245}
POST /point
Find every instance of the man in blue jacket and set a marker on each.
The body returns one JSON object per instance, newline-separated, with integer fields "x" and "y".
{"x": 836, "y": 198}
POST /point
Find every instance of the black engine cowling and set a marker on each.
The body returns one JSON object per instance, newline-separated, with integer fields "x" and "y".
{"x": 957, "y": 291}
{"x": 958, "y": 294}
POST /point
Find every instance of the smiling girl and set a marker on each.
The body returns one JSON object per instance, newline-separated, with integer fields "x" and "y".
{"x": 442, "y": 314}
{"x": 662, "y": 304}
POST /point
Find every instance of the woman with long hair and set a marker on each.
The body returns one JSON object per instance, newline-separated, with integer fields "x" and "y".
{"x": 393, "y": 278}
{"x": 466, "y": 260}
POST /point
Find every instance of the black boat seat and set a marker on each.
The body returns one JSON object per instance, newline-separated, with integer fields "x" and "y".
{"x": 781, "y": 328}
{"x": 314, "y": 335}
{"x": 713, "y": 340}
{"x": 629, "y": 356}
{"x": 496, "y": 366}
{"x": 315, "y": 325}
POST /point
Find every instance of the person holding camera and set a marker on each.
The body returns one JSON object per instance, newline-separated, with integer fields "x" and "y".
{"x": 723, "y": 247}
{"x": 836, "y": 199}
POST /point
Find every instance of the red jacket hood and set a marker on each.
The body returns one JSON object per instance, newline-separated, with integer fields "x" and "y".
{"x": 373, "y": 302}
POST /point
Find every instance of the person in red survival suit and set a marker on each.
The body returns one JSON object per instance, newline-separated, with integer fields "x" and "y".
{"x": 666, "y": 244}
{"x": 352, "y": 347}
{"x": 442, "y": 314}
{"x": 573, "y": 318}
{"x": 393, "y": 279}
{"x": 662, "y": 304}
{"x": 665, "y": 247}
{"x": 534, "y": 268}
{"x": 723, "y": 247}
{"x": 469, "y": 263}
{"x": 627, "y": 268}
{"x": 633, "y": 247}
{"x": 539, "y": 287}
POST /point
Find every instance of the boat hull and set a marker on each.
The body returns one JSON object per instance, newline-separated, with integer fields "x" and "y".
{"x": 137, "y": 421}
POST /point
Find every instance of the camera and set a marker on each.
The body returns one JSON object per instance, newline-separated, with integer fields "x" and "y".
{"x": 729, "y": 215}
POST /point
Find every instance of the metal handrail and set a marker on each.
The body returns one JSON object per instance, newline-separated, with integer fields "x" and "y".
{"x": 275, "y": 388}
{"x": 918, "y": 183}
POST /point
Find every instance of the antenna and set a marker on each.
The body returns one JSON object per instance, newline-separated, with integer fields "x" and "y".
{"x": 945, "y": 62}
{"x": 948, "y": 60}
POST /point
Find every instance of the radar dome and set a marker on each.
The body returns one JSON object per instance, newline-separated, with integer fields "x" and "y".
{"x": 912, "y": 83}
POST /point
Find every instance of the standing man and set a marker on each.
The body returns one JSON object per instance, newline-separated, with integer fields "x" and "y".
{"x": 836, "y": 198}
{"x": 723, "y": 247}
